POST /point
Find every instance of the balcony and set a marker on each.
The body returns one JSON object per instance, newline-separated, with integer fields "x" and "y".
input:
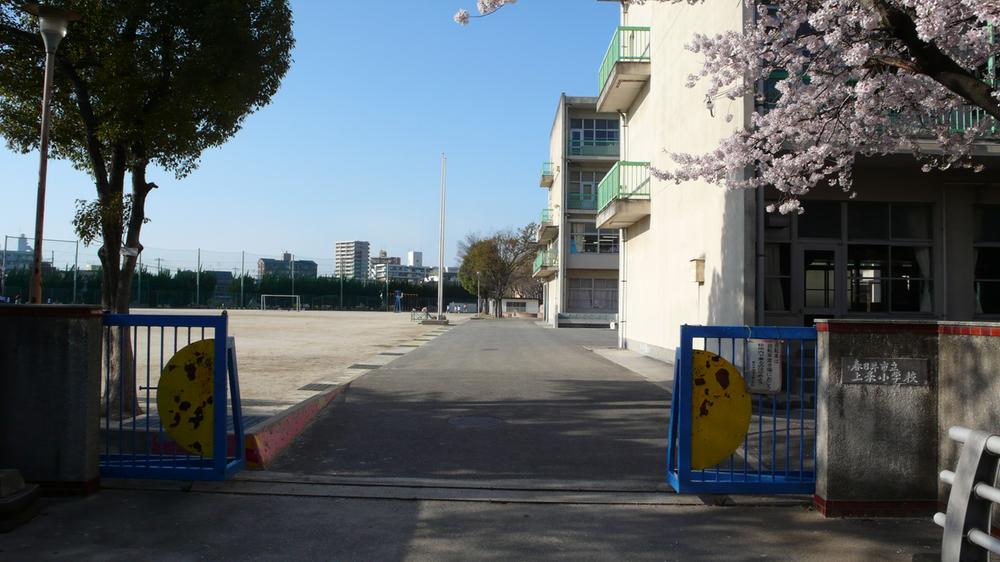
{"x": 971, "y": 116}
{"x": 595, "y": 147}
{"x": 547, "y": 175}
{"x": 547, "y": 227}
{"x": 623, "y": 195}
{"x": 581, "y": 201}
{"x": 546, "y": 264}
{"x": 625, "y": 69}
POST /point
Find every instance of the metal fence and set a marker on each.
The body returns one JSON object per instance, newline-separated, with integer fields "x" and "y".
{"x": 778, "y": 451}
{"x": 137, "y": 445}
{"x": 967, "y": 523}
{"x": 625, "y": 180}
{"x": 628, "y": 44}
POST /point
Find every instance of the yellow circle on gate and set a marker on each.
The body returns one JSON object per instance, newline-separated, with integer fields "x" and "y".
{"x": 720, "y": 409}
{"x": 185, "y": 397}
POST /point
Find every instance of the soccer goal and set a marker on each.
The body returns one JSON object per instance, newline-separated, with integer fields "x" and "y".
{"x": 280, "y": 302}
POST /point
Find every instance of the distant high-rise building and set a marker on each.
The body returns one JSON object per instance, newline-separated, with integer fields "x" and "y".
{"x": 382, "y": 258}
{"x": 351, "y": 259}
{"x": 415, "y": 259}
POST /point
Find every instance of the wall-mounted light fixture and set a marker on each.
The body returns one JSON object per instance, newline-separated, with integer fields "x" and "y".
{"x": 698, "y": 270}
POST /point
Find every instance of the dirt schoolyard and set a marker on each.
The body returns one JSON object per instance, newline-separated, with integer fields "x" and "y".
{"x": 278, "y": 352}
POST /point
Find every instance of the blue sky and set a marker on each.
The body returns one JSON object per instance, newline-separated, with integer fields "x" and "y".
{"x": 350, "y": 146}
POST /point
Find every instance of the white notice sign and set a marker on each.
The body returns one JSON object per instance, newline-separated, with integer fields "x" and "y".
{"x": 765, "y": 366}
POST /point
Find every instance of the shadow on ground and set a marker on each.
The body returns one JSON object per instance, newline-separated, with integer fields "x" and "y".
{"x": 494, "y": 400}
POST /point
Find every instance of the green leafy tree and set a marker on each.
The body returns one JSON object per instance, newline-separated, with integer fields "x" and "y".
{"x": 139, "y": 83}
{"x": 501, "y": 263}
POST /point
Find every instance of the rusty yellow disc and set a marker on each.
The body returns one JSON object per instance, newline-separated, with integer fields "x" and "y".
{"x": 185, "y": 397}
{"x": 720, "y": 409}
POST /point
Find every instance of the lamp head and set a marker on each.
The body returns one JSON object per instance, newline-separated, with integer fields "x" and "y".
{"x": 52, "y": 23}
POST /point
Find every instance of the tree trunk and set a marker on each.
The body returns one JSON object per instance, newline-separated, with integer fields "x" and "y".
{"x": 121, "y": 390}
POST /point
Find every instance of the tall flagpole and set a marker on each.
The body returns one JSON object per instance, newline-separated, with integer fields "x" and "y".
{"x": 444, "y": 170}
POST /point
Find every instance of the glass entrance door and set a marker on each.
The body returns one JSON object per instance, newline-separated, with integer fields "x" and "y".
{"x": 819, "y": 279}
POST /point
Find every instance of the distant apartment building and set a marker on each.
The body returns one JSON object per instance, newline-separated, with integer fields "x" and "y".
{"x": 909, "y": 244}
{"x": 414, "y": 258}
{"x": 577, "y": 262}
{"x": 286, "y": 267}
{"x": 402, "y": 273}
{"x": 22, "y": 258}
{"x": 450, "y": 275}
{"x": 382, "y": 258}
{"x": 351, "y": 259}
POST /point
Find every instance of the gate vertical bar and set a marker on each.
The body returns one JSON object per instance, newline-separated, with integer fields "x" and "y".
{"x": 220, "y": 385}
{"x": 684, "y": 415}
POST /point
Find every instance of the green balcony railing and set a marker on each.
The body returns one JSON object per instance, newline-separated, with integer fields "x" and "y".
{"x": 582, "y": 201}
{"x": 545, "y": 217}
{"x": 546, "y": 168}
{"x": 629, "y": 44}
{"x": 970, "y": 116}
{"x": 593, "y": 148}
{"x": 545, "y": 258}
{"x": 625, "y": 180}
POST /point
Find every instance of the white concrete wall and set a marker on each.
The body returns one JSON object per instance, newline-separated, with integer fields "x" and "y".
{"x": 530, "y": 305}
{"x": 687, "y": 221}
{"x": 557, "y": 152}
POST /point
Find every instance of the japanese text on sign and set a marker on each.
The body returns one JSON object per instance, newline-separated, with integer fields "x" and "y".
{"x": 765, "y": 366}
{"x": 876, "y": 370}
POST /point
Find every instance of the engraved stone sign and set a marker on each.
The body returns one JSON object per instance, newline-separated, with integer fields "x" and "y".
{"x": 884, "y": 371}
{"x": 764, "y": 372}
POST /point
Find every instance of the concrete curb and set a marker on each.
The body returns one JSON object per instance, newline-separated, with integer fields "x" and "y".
{"x": 266, "y": 440}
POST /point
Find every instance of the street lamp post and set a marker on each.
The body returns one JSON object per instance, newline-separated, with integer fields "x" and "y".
{"x": 52, "y": 24}
{"x": 479, "y": 298}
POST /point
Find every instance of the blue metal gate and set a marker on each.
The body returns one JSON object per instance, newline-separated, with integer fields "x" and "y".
{"x": 137, "y": 446}
{"x": 779, "y": 451}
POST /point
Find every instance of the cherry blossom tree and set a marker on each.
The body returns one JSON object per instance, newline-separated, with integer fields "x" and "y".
{"x": 854, "y": 78}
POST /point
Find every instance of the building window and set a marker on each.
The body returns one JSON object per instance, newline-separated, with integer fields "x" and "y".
{"x": 821, "y": 220}
{"x": 889, "y": 267}
{"x": 593, "y": 137}
{"x": 517, "y": 306}
{"x": 582, "y": 189}
{"x": 986, "y": 257}
{"x": 598, "y": 295}
{"x": 585, "y": 238}
{"x": 777, "y": 277}
{"x": 859, "y": 257}
{"x": 777, "y": 262}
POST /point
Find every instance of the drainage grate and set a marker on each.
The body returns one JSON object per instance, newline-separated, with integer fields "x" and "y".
{"x": 391, "y": 353}
{"x": 317, "y": 386}
{"x": 363, "y": 366}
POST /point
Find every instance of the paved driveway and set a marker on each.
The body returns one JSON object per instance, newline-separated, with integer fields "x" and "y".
{"x": 494, "y": 400}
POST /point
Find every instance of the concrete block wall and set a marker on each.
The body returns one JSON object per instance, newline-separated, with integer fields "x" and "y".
{"x": 50, "y": 384}
{"x": 876, "y": 443}
{"x": 880, "y": 447}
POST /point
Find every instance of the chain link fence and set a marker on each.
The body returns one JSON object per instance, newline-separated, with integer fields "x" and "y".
{"x": 203, "y": 278}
